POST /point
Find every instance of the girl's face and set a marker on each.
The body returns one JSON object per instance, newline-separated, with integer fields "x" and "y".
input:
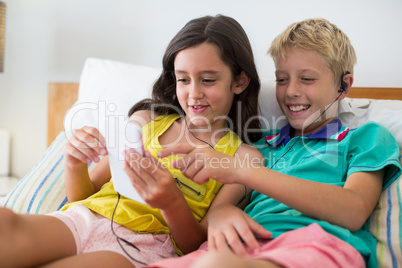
{"x": 205, "y": 86}
{"x": 304, "y": 89}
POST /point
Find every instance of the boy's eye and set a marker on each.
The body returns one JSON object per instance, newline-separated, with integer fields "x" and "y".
{"x": 308, "y": 79}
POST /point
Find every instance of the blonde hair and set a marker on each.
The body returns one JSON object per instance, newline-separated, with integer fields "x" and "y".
{"x": 322, "y": 37}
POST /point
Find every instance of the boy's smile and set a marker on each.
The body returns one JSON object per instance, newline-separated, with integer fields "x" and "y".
{"x": 305, "y": 88}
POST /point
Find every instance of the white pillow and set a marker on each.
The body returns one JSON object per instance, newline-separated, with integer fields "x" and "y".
{"x": 272, "y": 116}
{"x": 356, "y": 112}
{"x": 109, "y": 88}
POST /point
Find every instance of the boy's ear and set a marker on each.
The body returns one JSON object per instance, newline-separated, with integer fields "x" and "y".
{"x": 347, "y": 81}
{"x": 241, "y": 83}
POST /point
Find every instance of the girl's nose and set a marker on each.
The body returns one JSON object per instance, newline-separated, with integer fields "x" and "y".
{"x": 195, "y": 91}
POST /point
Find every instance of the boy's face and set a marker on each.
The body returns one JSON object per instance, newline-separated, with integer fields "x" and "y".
{"x": 304, "y": 89}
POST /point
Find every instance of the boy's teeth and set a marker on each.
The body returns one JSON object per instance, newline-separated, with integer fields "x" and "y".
{"x": 298, "y": 108}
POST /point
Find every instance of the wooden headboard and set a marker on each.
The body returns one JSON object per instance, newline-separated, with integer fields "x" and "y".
{"x": 63, "y": 95}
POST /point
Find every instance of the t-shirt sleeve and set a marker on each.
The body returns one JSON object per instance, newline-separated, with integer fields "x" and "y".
{"x": 372, "y": 148}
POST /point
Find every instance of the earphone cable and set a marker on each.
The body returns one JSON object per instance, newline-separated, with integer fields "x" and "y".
{"x": 119, "y": 239}
{"x": 185, "y": 120}
{"x": 245, "y": 187}
{"x": 306, "y": 130}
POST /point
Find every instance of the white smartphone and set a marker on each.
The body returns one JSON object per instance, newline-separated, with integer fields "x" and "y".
{"x": 120, "y": 136}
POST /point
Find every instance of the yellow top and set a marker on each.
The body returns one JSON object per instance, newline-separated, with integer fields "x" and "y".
{"x": 142, "y": 218}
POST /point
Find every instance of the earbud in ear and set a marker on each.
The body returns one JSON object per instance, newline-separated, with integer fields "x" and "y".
{"x": 343, "y": 85}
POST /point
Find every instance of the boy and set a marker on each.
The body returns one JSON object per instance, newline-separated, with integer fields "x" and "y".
{"x": 323, "y": 179}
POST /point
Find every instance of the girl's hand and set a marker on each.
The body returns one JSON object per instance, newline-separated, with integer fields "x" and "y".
{"x": 201, "y": 164}
{"x": 152, "y": 180}
{"x": 84, "y": 146}
{"x": 231, "y": 228}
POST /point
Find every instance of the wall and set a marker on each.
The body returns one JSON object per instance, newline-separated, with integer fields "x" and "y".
{"x": 49, "y": 40}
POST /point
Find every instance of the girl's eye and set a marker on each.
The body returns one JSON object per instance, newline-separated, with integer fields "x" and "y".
{"x": 181, "y": 80}
{"x": 281, "y": 81}
{"x": 208, "y": 80}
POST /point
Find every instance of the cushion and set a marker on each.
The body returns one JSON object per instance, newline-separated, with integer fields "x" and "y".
{"x": 386, "y": 220}
{"x": 386, "y": 225}
{"x": 42, "y": 189}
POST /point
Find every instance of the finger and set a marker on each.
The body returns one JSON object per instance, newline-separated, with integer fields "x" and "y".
{"x": 188, "y": 160}
{"x": 188, "y": 165}
{"x": 258, "y": 229}
{"x": 79, "y": 147}
{"x": 136, "y": 180}
{"x": 94, "y": 132}
{"x": 134, "y": 167}
{"x": 87, "y": 138}
{"x": 181, "y": 148}
{"x": 135, "y": 161}
{"x": 132, "y": 156}
{"x": 211, "y": 240}
{"x": 248, "y": 240}
{"x": 221, "y": 242}
{"x": 144, "y": 167}
{"x": 71, "y": 151}
{"x": 248, "y": 235}
{"x": 235, "y": 243}
{"x": 157, "y": 168}
{"x": 154, "y": 161}
{"x": 197, "y": 165}
{"x": 149, "y": 169}
{"x": 182, "y": 164}
{"x": 88, "y": 135}
{"x": 194, "y": 166}
{"x": 201, "y": 176}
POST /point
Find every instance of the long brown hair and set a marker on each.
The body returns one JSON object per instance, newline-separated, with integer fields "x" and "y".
{"x": 235, "y": 50}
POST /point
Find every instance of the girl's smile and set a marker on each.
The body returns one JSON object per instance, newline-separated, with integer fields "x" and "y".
{"x": 205, "y": 86}
{"x": 198, "y": 109}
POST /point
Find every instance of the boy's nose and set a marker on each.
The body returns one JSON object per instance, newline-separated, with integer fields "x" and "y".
{"x": 293, "y": 89}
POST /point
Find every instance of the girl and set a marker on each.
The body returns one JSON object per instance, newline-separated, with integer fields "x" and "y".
{"x": 208, "y": 87}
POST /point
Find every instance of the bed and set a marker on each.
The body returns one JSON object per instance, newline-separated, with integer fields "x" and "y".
{"x": 109, "y": 88}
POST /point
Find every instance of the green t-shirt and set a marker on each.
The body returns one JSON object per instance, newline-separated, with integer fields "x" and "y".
{"x": 328, "y": 155}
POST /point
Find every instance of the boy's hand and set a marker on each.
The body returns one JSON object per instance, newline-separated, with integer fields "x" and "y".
{"x": 201, "y": 164}
{"x": 231, "y": 228}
